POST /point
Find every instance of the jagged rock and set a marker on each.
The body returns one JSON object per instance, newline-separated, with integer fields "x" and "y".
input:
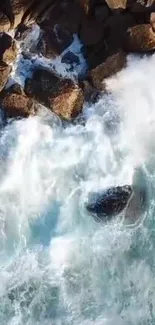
{"x": 110, "y": 66}
{"x": 139, "y": 38}
{"x": 54, "y": 42}
{"x": 15, "y": 103}
{"x": 110, "y": 202}
{"x": 4, "y": 74}
{"x": 70, "y": 58}
{"x": 62, "y": 96}
{"x": 8, "y": 48}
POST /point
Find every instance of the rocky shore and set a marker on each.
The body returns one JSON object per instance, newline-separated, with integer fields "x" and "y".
{"x": 109, "y": 30}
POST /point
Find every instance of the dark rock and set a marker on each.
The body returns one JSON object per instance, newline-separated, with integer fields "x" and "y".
{"x": 91, "y": 31}
{"x": 22, "y": 32}
{"x": 4, "y": 74}
{"x": 8, "y": 48}
{"x": 101, "y": 12}
{"x": 110, "y": 66}
{"x": 90, "y": 94}
{"x": 53, "y": 42}
{"x": 15, "y": 103}
{"x": 70, "y": 58}
{"x": 139, "y": 38}
{"x": 110, "y": 202}
{"x": 62, "y": 96}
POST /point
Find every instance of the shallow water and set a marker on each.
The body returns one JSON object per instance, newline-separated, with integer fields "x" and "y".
{"x": 57, "y": 265}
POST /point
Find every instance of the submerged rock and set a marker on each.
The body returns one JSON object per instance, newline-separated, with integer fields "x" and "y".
{"x": 62, "y": 96}
{"x": 132, "y": 200}
{"x": 110, "y": 202}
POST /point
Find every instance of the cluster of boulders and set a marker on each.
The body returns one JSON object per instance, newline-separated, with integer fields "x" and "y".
{"x": 108, "y": 30}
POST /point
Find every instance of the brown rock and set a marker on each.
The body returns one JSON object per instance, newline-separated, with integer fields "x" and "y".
{"x": 8, "y": 48}
{"x": 117, "y": 4}
{"x": 4, "y": 74}
{"x": 140, "y": 38}
{"x": 54, "y": 41}
{"x": 15, "y": 103}
{"x": 62, "y": 96}
{"x": 110, "y": 66}
{"x": 152, "y": 20}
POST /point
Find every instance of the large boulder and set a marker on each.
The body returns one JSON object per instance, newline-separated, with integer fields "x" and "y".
{"x": 113, "y": 64}
{"x": 8, "y": 48}
{"x": 131, "y": 201}
{"x": 62, "y": 96}
{"x": 139, "y": 38}
{"x": 54, "y": 41}
{"x": 110, "y": 202}
{"x": 15, "y": 103}
{"x": 4, "y": 74}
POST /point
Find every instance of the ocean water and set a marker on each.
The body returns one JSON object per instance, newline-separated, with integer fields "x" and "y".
{"x": 57, "y": 265}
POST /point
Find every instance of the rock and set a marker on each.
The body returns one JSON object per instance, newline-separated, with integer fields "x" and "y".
{"x": 101, "y": 12}
{"x": 4, "y": 74}
{"x": 70, "y": 58}
{"x": 152, "y": 20}
{"x": 110, "y": 66}
{"x": 90, "y": 94}
{"x": 117, "y": 4}
{"x": 116, "y": 27}
{"x": 91, "y": 31}
{"x": 53, "y": 42}
{"x": 62, "y": 96}
{"x": 22, "y": 32}
{"x": 131, "y": 200}
{"x": 15, "y": 103}
{"x": 110, "y": 202}
{"x": 8, "y": 48}
{"x": 139, "y": 38}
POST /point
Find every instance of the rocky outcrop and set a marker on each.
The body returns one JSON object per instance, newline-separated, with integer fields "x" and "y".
{"x": 4, "y": 74}
{"x": 8, "y": 48}
{"x": 15, "y": 103}
{"x": 110, "y": 202}
{"x": 140, "y": 38}
{"x": 110, "y": 66}
{"x": 62, "y": 96}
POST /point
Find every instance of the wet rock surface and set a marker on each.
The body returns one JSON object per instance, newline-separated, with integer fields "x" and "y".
{"x": 62, "y": 96}
{"x": 15, "y": 103}
{"x": 5, "y": 70}
{"x": 110, "y": 202}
